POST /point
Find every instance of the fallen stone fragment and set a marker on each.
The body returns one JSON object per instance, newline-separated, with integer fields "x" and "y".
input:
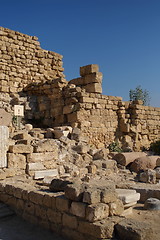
{"x": 58, "y": 185}
{"x": 148, "y": 176}
{"x": 129, "y": 229}
{"x": 152, "y": 204}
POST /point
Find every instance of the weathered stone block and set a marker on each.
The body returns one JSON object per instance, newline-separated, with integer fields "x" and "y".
{"x": 95, "y": 212}
{"x": 16, "y": 160}
{"x": 132, "y": 229}
{"x": 93, "y": 88}
{"x": 62, "y": 203}
{"x": 20, "y": 148}
{"x": 92, "y": 196}
{"x": 54, "y": 216}
{"x": 69, "y": 221}
{"x": 93, "y": 78}
{"x": 85, "y": 70}
{"x": 116, "y": 208}
{"x": 108, "y": 195}
{"x": 78, "y": 209}
{"x": 34, "y": 166}
{"x": 74, "y": 192}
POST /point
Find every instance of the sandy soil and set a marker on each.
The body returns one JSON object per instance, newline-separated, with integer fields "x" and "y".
{"x": 147, "y": 216}
{"x": 15, "y": 228}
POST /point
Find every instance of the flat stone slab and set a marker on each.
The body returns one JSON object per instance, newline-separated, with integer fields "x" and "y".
{"x": 44, "y": 173}
{"x": 128, "y": 195}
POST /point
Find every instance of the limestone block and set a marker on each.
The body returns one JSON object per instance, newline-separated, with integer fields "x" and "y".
{"x": 69, "y": 221}
{"x": 81, "y": 148}
{"x": 95, "y": 212}
{"x": 62, "y": 203}
{"x": 61, "y": 133}
{"x": 103, "y": 229}
{"x": 93, "y": 78}
{"x": 128, "y": 195}
{"x": 20, "y": 148}
{"x": 116, "y": 208}
{"x": 58, "y": 185}
{"x": 4, "y": 135}
{"x": 47, "y": 145}
{"x": 43, "y": 173}
{"x": 132, "y": 229}
{"x": 85, "y": 70}
{"x": 5, "y": 118}
{"x": 34, "y": 166}
{"x": 92, "y": 196}
{"x": 127, "y": 211}
{"x": 17, "y": 161}
{"x": 41, "y": 157}
{"x": 78, "y": 209}
{"x": 74, "y": 192}
{"x": 93, "y": 88}
{"x": 109, "y": 195}
{"x": 23, "y": 135}
{"x": 148, "y": 176}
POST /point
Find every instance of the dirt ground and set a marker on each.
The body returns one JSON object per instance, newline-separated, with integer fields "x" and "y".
{"x": 15, "y": 228}
{"x": 147, "y": 216}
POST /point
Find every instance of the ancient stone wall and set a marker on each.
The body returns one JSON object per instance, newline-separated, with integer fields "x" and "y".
{"x": 49, "y": 100}
{"x": 76, "y": 214}
{"x": 23, "y": 62}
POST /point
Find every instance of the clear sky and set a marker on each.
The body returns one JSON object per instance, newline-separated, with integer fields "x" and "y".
{"x": 121, "y": 36}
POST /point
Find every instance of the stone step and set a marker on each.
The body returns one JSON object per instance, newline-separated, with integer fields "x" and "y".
{"x": 128, "y": 195}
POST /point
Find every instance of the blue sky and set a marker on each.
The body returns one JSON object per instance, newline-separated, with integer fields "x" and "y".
{"x": 122, "y": 36}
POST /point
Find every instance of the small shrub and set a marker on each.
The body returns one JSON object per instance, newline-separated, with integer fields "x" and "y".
{"x": 155, "y": 147}
{"x": 114, "y": 147}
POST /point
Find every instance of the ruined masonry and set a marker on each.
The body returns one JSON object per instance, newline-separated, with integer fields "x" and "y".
{"x": 63, "y": 138}
{"x": 33, "y": 77}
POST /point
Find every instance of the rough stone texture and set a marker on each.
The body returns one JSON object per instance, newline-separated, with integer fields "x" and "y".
{"x": 143, "y": 163}
{"x": 148, "y": 176}
{"x": 133, "y": 230}
{"x": 152, "y": 204}
{"x": 4, "y": 137}
{"x": 128, "y": 157}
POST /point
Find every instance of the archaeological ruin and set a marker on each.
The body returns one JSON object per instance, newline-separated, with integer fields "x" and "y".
{"x": 56, "y": 165}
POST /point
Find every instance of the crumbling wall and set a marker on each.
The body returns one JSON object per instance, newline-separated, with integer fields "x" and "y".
{"x": 23, "y": 62}
{"x": 139, "y": 125}
{"x": 49, "y": 100}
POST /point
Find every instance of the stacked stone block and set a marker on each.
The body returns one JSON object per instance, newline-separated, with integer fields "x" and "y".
{"x": 23, "y": 62}
{"x": 139, "y": 125}
{"x": 65, "y": 213}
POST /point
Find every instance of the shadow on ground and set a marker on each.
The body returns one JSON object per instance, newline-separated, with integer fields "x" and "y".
{"x": 15, "y": 228}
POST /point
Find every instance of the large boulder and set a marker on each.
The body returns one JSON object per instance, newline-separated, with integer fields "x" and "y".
{"x": 143, "y": 163}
